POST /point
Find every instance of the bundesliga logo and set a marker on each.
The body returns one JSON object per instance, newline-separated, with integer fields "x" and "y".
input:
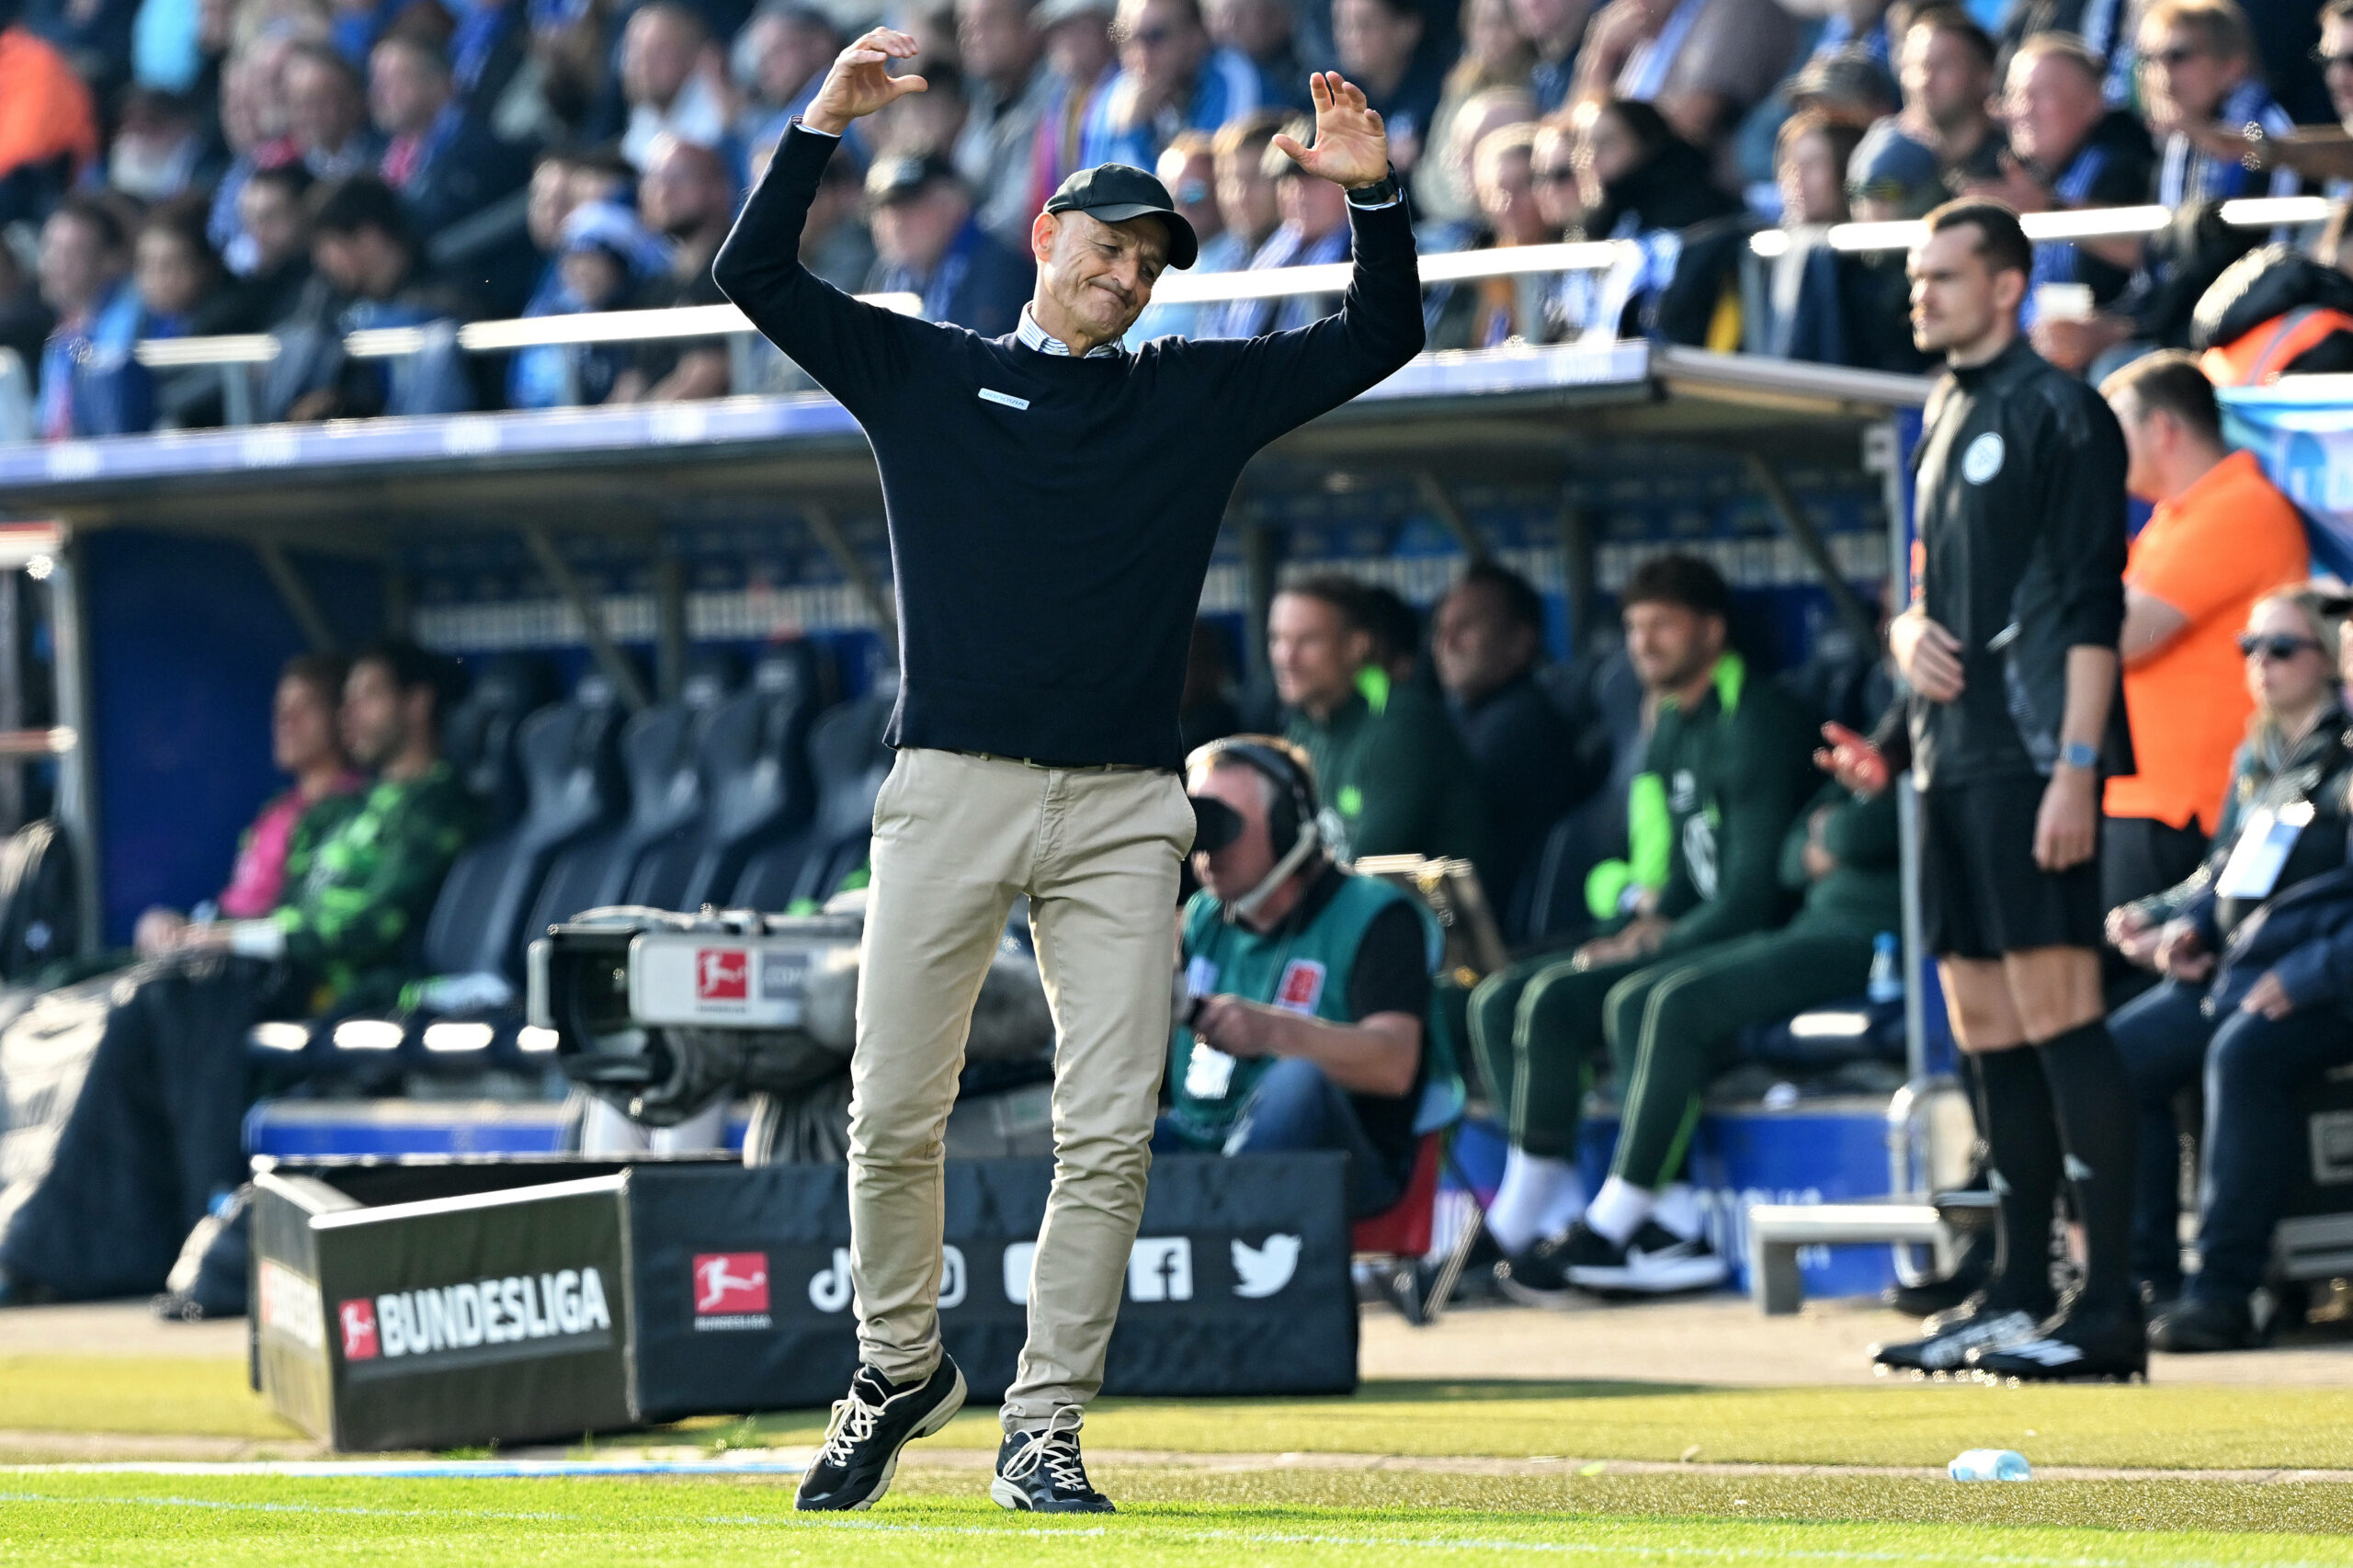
{"x": 731, "y": 1289}
{"x": 722, "y": 974}
{"x": 565, "y": 1305}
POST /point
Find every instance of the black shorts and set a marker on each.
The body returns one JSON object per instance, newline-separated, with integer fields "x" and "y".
{"x": 1981, "y": 893}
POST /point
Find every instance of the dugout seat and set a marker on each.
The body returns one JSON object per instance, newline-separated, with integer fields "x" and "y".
{"x": 479, "y": 734}
{"x": 751, "y": 756}
{"x": 659, "y": 761}
{"x": 850, "y": 759}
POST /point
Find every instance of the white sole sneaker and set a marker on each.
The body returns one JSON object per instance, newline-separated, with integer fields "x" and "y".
{"x": 1654, "y": 1273}
{"x": 929, "y": 1426}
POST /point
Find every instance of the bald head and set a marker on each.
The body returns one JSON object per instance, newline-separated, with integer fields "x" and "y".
{"x": 685, "y": 189}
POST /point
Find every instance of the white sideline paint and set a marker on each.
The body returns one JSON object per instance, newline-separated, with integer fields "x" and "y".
{"x": 785, "y": 1520}
{"x": 427, "y": 1470}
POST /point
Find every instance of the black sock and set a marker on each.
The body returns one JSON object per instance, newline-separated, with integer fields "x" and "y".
{"x": 2023, "y": 1169}
{"x": 2096, "y": 1125}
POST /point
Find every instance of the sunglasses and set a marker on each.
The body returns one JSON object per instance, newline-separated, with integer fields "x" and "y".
{"x": 1564, "y": 176}
{"x": 2328, "y": 61}
{"x": 2278, "y": 650}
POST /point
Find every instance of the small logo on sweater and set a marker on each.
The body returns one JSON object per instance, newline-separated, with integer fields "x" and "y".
{"x": 990, "y": 394}
{"x": 1984, "y": 458}
{"x": 1302, "y": 987}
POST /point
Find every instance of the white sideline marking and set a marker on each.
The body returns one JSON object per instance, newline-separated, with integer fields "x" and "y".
{"x": 1178, "y": 1535}
{"x": 424, "y": 1470}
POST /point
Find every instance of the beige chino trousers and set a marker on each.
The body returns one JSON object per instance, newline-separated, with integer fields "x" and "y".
{"x": 956, "y": 838}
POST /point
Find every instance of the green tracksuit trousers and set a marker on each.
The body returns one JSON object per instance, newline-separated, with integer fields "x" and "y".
{"x": 1669, "y": 1025}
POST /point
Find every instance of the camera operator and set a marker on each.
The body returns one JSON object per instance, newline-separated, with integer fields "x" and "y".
{"x": 1310, "y": 984}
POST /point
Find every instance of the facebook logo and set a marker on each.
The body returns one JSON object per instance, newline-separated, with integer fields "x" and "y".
{"x": 1160, "y": 1269}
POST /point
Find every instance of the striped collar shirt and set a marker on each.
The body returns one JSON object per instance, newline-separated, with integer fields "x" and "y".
{"x": 1034, "y": 336}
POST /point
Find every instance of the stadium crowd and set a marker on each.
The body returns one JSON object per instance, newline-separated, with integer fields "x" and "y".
{"x": 307, "y": 168}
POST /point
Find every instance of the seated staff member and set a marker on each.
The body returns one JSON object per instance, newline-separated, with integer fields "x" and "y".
{"x": 1312, "y": 984}
{"x": 154, "y": 1134}
{"x": 2220, "y": 538}
{"x": 2275, "y": 1014}
{"x": 1726, "y": 771}
{"x": 304, "y": 742}
{"x": 1389, "y": 766}
{"x": 1674, "y": 1026}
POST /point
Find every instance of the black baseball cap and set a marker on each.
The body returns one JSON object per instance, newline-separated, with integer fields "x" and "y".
{"x": 1113, "y": 193}
{"x": 903, "y": 175}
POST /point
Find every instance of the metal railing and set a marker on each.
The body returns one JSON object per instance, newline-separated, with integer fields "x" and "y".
{"x": 234, "y": 357}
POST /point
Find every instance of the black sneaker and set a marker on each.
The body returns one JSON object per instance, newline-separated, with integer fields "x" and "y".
{"x": 1653, "y": 1262}
{"x": 1945, "y": 1352}
{"x": 2191, "y": 1325}
{"x": 2081, "y": 1344}
{"x": 870, "y": 1428}
{"x": 1041, "y": 1471}
{"x": 1538, "y": 1276}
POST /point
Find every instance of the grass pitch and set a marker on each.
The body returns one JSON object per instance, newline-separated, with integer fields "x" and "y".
{"x": 197, "y": 1522}
{"x": 1174, "y": 1515}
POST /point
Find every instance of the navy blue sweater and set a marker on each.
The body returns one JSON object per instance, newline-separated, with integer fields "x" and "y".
{"x": 1052, "y": 517}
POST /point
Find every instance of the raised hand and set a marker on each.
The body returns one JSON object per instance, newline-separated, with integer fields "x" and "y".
{"x": 1351, "y": 148}
{"x": 860, "y": 81}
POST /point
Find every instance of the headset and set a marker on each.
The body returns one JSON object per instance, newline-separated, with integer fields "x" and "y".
{"x": 1290, "y": 816}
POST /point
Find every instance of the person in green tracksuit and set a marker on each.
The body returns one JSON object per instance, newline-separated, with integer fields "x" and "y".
{"x": 1673, "y": 1026}
{"x": 1393, "y": 773}
{"x": 1729, "y": 765}
{"x": 154, "y": 1135}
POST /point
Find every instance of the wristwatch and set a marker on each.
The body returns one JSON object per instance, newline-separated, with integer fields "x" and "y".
{"x": 1380, "y": 193}
{"x": 2083, "y": 757}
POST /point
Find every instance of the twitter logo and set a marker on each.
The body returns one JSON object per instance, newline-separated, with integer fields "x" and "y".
{"x": 1262, "y": 1270}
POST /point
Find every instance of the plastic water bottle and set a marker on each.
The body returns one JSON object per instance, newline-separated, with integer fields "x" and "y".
{"x": 1991, "y": 1465}
{"x": 1886, "y": 983}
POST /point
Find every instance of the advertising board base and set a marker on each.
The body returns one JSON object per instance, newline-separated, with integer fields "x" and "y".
{"x": 438, "y": 1303}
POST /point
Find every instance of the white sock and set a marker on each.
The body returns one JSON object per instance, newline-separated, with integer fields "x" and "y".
{"x": 1618, "y": 1210}
{"x": 1678, "y": 1210}
{"x": 1568, "y": 1202}
{"x": 1528, "y": 1193}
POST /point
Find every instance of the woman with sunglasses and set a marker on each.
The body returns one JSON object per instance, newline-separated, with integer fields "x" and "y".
{"x": 2255, "y": 1006}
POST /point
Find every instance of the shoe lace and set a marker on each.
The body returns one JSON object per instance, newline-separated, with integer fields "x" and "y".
{"x": 853, "y": 1424}
{"x": 1054, "y": 1449}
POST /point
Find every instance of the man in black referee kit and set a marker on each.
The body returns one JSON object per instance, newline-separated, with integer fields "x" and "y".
{"x": 2009, "y": 650}
{"x": 1052, "y": 502}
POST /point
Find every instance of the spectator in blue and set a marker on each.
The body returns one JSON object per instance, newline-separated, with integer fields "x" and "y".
{"x": 779, "y": 61}
{"x": 1008, "y": 90}
{"x": 159, "y": 151}
{"x": 2068, "y": 149}
{"x": 673, "y": 78}
{"x": 1314, "y": 230}
{"x": 274, "y": 220}
{"x": 1171, "y": 78}
{"x": 1188, "y": 168}
{"x": 327, "y": 113}
{"x": 2197, "y": 67}
{"x": 444, "y": 162}
{"x": 1264, "y": 32}
{"x": 1945, "y": 65}
{"x": 486, "y": 54}
{"x": 1379, "y": 44}
{"x": 1554, "y": 29}
{"x": 928, "y": 241}
{"x": 90, "y": 385}
{"x": 370, "y": 273}
{"x": 687, "y": 198}
{"x": 604, "y": 256}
